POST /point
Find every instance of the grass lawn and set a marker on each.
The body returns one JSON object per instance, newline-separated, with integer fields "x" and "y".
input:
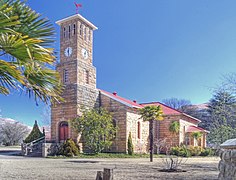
{"x": 109, "y": 155}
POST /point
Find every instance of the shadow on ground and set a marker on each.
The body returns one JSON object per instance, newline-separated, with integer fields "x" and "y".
{"x": 83, "y": 162}
{"x": 10, "y": 152}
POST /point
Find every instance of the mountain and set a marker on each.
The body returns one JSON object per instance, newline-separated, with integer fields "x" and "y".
{"x": 4, "y": 120}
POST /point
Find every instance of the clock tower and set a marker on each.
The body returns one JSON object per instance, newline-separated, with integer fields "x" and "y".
{"x": 77, "y": 74}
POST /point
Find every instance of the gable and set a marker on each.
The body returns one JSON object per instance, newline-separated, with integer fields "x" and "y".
{"x": 122, "y": 100}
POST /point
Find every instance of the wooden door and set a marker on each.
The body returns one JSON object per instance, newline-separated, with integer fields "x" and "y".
{"x": 63, "y": 131}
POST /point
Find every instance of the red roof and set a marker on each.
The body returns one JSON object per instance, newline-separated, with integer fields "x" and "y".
{"x": 191, "y": 129}
{"x": 121, "y": 99}
{"x": 166, "y": 109}
{"x": 169, "y": 110}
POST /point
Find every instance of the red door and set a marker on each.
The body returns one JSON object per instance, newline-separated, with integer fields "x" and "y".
{"x": 63, "y": 131}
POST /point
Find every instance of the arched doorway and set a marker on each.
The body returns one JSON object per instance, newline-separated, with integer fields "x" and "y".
{"x": 63, "y": 131}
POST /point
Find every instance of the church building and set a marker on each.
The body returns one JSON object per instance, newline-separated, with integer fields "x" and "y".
{"x": 79, "y": 77}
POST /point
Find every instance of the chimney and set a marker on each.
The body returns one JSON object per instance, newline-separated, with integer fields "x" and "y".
{"x": 114, "y": 93}
{"x": 134, "y": 101}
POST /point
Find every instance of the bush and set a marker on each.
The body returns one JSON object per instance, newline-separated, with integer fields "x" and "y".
{"x": 206, "y": 152}
{"x": 174, "y": 151}
{"x": 191, "y": 151}
{"x": 34, "y": 134}
{"x": 180, "y": 151}
{"x": 97, "y": 128}
{"x": 195, "y": 150}
{"x": 69, "y": 148}
{"x": 130, "y": 145}
{"x": 184, "y": 152}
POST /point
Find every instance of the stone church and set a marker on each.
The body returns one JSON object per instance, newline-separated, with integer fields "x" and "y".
{"x": 79, "y": 77}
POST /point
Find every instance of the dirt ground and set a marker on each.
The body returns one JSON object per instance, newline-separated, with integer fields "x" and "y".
{"x": 17, "y": 167}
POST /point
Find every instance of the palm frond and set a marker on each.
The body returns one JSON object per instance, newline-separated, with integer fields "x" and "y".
{"x": 26, "y": 38}
{"x": 10, "y": 76}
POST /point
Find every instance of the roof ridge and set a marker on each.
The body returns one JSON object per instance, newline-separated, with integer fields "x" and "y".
{"x": 122, "y": 99}
{"x": 163, "y": 105}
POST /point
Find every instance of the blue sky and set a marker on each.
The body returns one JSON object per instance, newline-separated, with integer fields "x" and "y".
{"x": 148, "y": 50}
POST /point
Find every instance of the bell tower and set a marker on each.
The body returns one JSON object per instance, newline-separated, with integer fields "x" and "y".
{"x": 77, "y": 74}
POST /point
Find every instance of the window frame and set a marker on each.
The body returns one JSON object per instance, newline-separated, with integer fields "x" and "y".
{"x": 65, "y": 76}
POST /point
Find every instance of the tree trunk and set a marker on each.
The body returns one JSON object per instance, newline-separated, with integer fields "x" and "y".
{"x": 151, "y": 139}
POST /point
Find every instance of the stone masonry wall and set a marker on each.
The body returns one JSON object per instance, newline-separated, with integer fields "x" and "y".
{"x": 227, "y": 164}
{"x": 78, "y": 92}
{"x": 140, "y": 144}
{"x": 164, "y": 130}
{"x": 118, "y": 111}
{"x": 63, "y": 111}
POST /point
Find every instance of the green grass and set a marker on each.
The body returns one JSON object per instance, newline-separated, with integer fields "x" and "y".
{"x": 108, "y": 155}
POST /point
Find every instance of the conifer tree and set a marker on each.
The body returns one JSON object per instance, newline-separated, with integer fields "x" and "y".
{"x": 34, "y": 134}
{"x": 130, "y": 145}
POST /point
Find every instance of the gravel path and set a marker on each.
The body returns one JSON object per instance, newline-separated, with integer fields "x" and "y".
{"x": 17, "y": 167}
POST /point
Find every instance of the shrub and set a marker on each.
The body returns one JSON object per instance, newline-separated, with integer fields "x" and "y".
{"x": 191, "y": 151}
{"x": 180, "y": 151}
{"x": 195, "y": 150}
{"x": 184, "y": 152}
{"x": 206, "y": 152}
{"x": 174, "y": 151}
{"x": 69, "y": 148}
{"x": 130, "y": 145}
{"x": 34, "y": 134}
{"x": 97, "y": 128}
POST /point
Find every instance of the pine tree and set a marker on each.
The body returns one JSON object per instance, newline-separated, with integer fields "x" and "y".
{"x": 34, "y": 134}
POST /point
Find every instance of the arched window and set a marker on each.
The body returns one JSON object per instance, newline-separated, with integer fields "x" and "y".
{"x": 85, "y": 33}
{"x": 64, "y": 32}
{"x": 114, "y": 124}
{"x": 89, "y": 35}
{"x": 80, "y": 29}
{"x": 74, "y": 29}
{"x": 65, "y": 76}
{"x": 69, "y": 31}
{"x": 87, "y": 76}
{"x": 139, "y": 130}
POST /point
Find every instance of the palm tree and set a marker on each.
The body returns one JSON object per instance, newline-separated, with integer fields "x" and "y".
{"x": 174, "y": 128}
{"x": 151, "y": 113}
{"x": 26, "y": 59}
{"x": 196, "y": 135}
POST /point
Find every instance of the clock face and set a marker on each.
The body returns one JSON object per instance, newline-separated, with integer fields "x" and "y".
{"x": 68, "y": 51}
{"x": 84, "y": 53}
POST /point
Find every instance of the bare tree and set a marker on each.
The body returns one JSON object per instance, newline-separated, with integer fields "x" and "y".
{"x": 12, "y": 133}
{"x": 46, "y": 115}
{"x": 178, "y": 104}
{"x": 171, "y": 162}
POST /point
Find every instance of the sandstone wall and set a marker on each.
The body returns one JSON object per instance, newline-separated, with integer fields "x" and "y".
{"x": 227, "y": 164}
{"x": 140, "y": 143}
{"x": 118, "y": 111}
{"x": 164, "y": 132}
